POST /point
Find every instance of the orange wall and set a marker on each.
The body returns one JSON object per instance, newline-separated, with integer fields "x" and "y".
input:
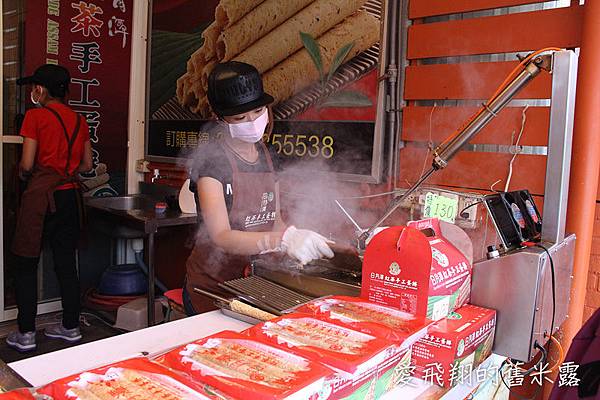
{"x": 476, "y": 80}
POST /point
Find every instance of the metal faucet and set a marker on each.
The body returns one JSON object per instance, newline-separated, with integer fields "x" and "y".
{"x": 157, "y": 176}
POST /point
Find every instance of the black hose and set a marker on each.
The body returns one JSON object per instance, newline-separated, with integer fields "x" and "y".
{"x": 140, "y": 262}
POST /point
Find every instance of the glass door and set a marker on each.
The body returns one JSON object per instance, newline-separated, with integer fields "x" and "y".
{"x": 13, "y": 107}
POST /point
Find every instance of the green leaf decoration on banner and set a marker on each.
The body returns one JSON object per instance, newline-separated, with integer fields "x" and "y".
{"x": 347, "y": 98}
{"x": 168, "y": 57}
{"x": 311, "y": 45}
{"x": 341, "y": 54}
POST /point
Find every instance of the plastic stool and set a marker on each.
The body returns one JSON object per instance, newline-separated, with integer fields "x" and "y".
{"x": 175, "y": 300}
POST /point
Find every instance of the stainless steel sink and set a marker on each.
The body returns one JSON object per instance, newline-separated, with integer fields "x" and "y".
{"x": 123, "y": 203}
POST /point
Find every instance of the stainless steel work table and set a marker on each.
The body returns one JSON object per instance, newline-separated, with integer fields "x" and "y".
{"x": 137, "y": 212}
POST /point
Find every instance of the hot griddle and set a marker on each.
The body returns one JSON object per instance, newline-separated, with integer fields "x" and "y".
{"x": 340, "y": 275}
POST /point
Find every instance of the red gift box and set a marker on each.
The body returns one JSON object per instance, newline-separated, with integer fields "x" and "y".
{"x": 133, "y": 379}
{"x": 455, "y": 345}
{"x": 420, "y": 274}
{"x": 386, "y": 322}
{"x": 246, "y": 368}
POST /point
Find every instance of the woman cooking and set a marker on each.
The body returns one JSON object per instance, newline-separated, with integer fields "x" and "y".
{"x": 236, "y": 190}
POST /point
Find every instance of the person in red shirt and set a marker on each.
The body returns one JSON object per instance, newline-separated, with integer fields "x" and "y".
{"x": 56, "y": 147}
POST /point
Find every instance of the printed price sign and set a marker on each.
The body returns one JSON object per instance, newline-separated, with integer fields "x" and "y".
{"x": 444, "y": 208}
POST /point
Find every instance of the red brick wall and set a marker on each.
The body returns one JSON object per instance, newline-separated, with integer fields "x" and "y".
{"x": 592, "y": 299}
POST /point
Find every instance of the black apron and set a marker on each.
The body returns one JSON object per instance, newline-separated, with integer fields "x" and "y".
{"x": 38, "y": 198}
{"x": 253, "y": 210}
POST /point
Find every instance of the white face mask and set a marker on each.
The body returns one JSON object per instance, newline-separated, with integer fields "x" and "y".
{"x": 33, "y": 100}
{"x": 250, "y": 132}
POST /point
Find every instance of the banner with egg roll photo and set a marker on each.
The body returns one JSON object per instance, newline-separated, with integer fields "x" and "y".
{"x": 319, "y": 59}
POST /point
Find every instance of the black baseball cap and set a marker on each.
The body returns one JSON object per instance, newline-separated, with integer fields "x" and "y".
{"x": 235, "y": 88}
{"x": 55, "y": 78}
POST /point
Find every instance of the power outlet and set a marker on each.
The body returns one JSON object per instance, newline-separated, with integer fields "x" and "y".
{"x": 470, "y": 213}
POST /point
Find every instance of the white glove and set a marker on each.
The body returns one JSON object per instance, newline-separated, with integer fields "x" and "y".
{"x": 305, "y": 245}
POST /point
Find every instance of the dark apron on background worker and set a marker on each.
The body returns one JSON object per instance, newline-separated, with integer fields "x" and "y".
{"x": 253, "y": 210}
{"x": 38, "y": 199}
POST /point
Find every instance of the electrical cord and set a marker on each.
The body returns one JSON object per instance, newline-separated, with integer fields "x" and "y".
{"x": 512, "y": 392}
{"x": 105, "y": 322}
{"x": 467, "y": 207}
{"x": 553, "y": 276}
{"x": 541, "y": 362}
{"x": 516, "y": 147}
{"x": 58, "y": 318}
{"x": 139, "y": 258}
{"x": 561, "y": 353}
{"x": 544, "y": 358}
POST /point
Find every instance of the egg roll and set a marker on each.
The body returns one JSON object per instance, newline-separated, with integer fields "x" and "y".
{"x": 254, "y": 25}
{"x": 298, "y": 71}
{"x": 283, "y": 41}
{"x": 229, "y": 12}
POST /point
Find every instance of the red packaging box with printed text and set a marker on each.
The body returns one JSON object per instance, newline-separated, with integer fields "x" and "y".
{"x": 136, "y": 378}
{"x": 419, "y": 274}
{"x": 364, "y": 316}
{"x": 359, "y": 359}
{"x": 455, "y": 346}
{"x": 246, "y": 368}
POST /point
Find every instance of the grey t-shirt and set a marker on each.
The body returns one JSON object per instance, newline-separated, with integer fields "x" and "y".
{"x": 212, "y": 162}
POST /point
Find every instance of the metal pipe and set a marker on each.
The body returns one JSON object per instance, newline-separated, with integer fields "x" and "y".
{"x": 402, "y": 63}
{"x": 347, "y": 214}
{"x": 212, "y": 295}
{"x": 151, "y": 277}
{"x": 489, "y": 111}
{"x": 392, "y": 79}
{"x": 583, "y": 187}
